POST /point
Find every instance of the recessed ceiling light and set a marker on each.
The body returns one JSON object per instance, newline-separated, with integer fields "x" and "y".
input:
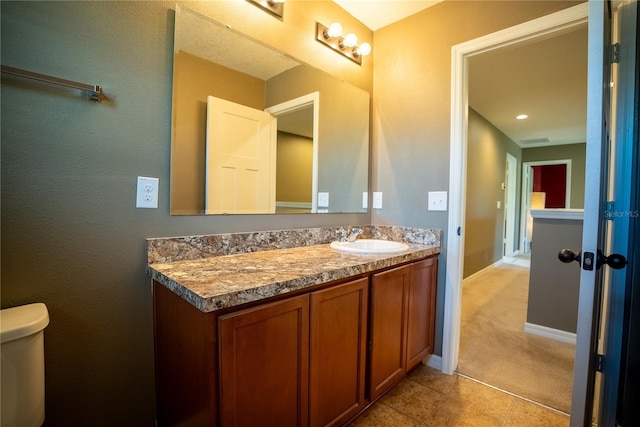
{"x": 521, "y": 116}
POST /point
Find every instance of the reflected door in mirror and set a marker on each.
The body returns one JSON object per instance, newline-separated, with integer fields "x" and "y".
{"x": 241, "y": 157}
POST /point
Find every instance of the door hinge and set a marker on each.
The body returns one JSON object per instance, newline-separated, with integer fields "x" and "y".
{"x": 599, "y": 363}
{"x": 615, "y": 53}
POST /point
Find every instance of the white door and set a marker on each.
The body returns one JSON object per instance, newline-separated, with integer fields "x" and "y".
{"x": 606, "y": 217}
{"x": 240, "y": 159}
{"x": 510, "y": 204}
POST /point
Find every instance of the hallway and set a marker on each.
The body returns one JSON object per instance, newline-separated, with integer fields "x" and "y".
{"x": 495, "y": 349}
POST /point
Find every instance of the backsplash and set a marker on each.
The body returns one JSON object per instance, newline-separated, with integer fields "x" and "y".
{"x": 170, "y": 249}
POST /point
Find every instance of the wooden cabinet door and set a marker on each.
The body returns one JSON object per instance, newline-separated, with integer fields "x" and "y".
{"x": 421, "y": 305}
{"x": 387, "y": 335}
{"x": 264, "y": 365}
{"x": 338, "y": 352}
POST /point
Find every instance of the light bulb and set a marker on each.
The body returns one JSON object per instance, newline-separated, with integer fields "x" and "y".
{"x": 350, "y": 40}
{"x": 334, "y": 30}
{"x": 364, "y": 49}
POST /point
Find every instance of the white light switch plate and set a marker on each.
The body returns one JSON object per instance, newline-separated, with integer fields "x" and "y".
{"x": 147, "y": 192}
{"x": 377, "y": 200}
{"x": 437, "y": 200}
{"x": 365, "y": 200}
{"x": 323, "y": 200}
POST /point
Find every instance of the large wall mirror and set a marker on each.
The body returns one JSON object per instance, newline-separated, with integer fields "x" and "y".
{"x": 256, "y": 131}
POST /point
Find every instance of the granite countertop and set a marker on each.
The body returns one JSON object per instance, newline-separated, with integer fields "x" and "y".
{"x": 217, "y": 282}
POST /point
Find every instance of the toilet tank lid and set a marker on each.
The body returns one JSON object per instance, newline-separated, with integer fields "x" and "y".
{"x": 21, "y": 321}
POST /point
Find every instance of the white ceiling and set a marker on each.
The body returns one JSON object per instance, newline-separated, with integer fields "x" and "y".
{"x": 376, "y": 14}
{"x": 545, "y": 80}
{"x": 224, "y": 45}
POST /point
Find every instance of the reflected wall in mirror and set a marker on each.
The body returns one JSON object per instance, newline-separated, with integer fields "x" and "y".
{"x": 316, "y": 139}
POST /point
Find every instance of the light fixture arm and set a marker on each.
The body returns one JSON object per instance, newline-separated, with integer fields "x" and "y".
{"x": 274, "y": 7}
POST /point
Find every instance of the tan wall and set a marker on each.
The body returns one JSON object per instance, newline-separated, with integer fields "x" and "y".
{"x": 577, "y": 154}
{"x": 294, "y": 164}
{"x": 487, "y": 150}
{"x": 194, "y": 80}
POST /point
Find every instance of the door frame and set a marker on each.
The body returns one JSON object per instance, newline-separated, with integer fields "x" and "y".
{"x": 294, "y": 105}
{"x": 564, "y": 20}
{"x": 525, "y": 213}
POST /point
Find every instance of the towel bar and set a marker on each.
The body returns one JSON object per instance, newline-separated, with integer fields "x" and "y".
{"x": 94, "y": 91}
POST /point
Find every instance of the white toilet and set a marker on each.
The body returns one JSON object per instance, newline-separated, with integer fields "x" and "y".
{"x": 22, "y": 348}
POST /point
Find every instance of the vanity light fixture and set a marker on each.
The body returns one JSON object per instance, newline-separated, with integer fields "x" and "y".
{"x": 347, "y": 45}
{"x": 274, "y": 7}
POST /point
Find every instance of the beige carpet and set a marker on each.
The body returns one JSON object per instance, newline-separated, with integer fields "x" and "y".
{"x": 495, "y": 349}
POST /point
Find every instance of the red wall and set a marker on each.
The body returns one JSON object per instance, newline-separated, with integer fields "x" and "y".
{"x": 552, "y": 180}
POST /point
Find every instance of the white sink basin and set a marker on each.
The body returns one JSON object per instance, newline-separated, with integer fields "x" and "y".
{"x": 370, "y": 246}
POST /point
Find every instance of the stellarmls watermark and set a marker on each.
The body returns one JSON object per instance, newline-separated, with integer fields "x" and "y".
{"x": 621, "y": 214}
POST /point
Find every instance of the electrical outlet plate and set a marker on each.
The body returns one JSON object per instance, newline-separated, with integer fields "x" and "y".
{"x": 147, "y": 192}
{"x": 437, "y": 201}
{"x": 323, "y": 200}
{"x": 377, "y": 200}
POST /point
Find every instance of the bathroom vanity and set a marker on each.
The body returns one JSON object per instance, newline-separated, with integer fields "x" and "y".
{"x": 287, "y": 334}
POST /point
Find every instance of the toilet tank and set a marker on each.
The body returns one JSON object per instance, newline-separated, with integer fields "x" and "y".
{"x": 22, "y": 348}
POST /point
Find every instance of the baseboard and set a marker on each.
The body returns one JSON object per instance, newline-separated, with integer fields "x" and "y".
{"x": 554, "y": 334}
{"x": 434, "y": 361}
{"x": 479, "y": 272}
{"x": 517, "y": 260}
{"x": 293, "y": 205}
{"x": 515, "y": 255}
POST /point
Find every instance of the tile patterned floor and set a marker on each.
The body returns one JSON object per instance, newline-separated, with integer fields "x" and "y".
{"x": 429, "y": 398}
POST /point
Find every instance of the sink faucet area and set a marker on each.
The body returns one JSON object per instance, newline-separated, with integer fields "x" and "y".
{"x": 349, "y": 242}
{"x": 352, "y": 236}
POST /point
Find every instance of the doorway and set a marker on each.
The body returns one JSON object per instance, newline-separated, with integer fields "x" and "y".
{"x": 565, "y": 20}
{"x": 299, "y": 118}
